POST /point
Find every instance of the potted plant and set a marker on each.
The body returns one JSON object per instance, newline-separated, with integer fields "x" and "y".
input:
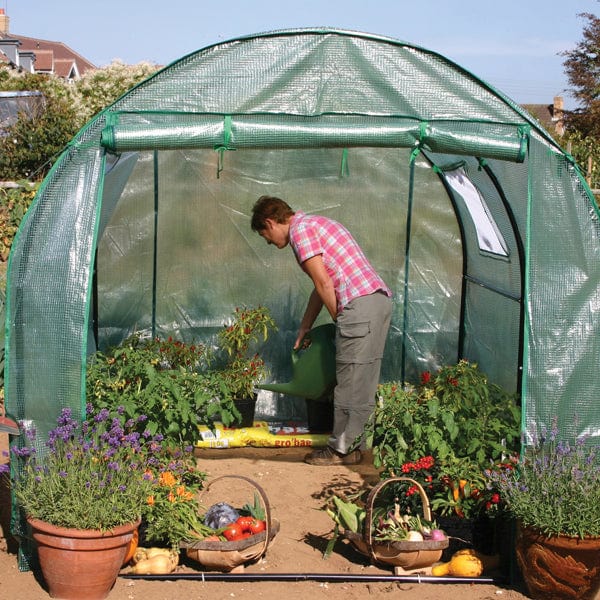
{"x": 83, "y": 495}
{"x": 244, "y": 367}
{"x": 444, "y": 432}
{"x": 553, "y": 493}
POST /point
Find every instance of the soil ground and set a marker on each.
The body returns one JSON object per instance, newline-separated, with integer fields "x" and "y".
{"x": 296, "y": 493}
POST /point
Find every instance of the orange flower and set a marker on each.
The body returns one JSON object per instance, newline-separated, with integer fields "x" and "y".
{"x": 180, "y": 490}
{"x": 167, "y": 479}
{"x": 171, "y": 497}
{"x": 150, "y": 500}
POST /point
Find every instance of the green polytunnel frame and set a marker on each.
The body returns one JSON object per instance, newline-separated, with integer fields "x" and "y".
{"x": 479, "y": 222}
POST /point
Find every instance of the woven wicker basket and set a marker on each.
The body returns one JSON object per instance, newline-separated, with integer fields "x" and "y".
{"x": 405, "y": 555}
{"x": 232, "y": 556}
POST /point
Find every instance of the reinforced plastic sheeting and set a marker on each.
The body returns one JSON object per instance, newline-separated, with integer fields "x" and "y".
{"x": 479, "y": 222}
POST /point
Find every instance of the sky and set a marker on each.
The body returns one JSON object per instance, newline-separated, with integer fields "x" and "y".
{"x": 513, "y": 45}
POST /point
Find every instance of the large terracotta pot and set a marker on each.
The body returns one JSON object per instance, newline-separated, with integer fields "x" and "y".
{"x": 80, "y": 564}
{"x": 559, "y": 567}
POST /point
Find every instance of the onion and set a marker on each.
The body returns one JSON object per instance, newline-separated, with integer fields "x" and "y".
{"x": 414, "y": 536}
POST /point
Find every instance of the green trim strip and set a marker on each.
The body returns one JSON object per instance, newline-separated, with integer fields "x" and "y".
{"x": 86, "y": 329}
{"x": 344, "y": 169}
{"x": 226, "y": 145}
{"x": 155, "y": 244}
{"x": 409, "y": 210}
{"x": 525, "y": 294}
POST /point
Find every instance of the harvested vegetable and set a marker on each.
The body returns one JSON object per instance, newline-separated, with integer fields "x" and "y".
{"x": 460, "y": 565}
{"x": 147, "y": 553}
{"x": 220, "y": 515}
{"x": 160, "y": 564}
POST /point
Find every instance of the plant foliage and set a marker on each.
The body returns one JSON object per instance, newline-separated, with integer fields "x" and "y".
{"x": 582, "y": 67}
{"x": 444, "y": 433}
{"x": 168, "y": 380}
{"x": 90, "y": 475}
{"x": 243, "y": 367}
{"x": 555, "y": 488}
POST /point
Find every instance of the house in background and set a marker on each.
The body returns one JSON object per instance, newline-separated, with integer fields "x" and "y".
{"x": 39, "y": 56}
{"x": 550, "y": 116}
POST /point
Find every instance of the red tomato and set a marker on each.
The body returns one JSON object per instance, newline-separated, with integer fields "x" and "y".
{"x": 232, "y": 532}
{"x": 257, "y": 526}
{"x": 245, "y": 523}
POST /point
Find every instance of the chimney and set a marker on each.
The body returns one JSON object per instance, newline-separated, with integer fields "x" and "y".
{"x": 558, "y": 108}
{"x": 3, "y": 21}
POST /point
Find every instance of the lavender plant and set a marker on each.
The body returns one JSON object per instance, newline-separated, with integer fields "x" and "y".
{"x": 555, "y": 488}
{"x": 92, "y": 475}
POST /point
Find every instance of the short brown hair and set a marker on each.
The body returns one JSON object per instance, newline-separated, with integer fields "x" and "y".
{"x": 269, "y": 207}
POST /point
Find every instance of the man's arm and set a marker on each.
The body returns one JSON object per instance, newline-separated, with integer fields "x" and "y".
{"x": 323, "y": 284}
{"x": 323, "y": 294}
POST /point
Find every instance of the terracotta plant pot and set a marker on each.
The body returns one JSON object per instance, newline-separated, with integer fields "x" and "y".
{"x": 80, "y": 564}
{"x": 559, "y": 567}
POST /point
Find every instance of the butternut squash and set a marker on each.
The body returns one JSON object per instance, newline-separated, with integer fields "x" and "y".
{"x": 460, "y": 565}
{"x": 144, "y": 553}
{"x": 490, "y": 561}
{"x": 160, "y": 564}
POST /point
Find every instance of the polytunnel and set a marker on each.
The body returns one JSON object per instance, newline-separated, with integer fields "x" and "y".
{"x": 479, "y": 222}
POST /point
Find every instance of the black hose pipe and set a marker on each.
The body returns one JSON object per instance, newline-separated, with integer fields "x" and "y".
{"x": 325, "y": 577}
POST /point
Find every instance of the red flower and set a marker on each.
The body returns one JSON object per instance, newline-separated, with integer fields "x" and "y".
{"x": 425, "y": 377}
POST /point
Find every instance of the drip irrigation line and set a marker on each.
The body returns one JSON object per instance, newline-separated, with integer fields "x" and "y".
{"x": 323, "y": 577}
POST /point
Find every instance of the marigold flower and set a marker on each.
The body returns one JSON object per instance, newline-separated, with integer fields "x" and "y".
{"x": 150, "y": 501}
{"x": 167, "y": 479}
{"x": 171, "y": 497}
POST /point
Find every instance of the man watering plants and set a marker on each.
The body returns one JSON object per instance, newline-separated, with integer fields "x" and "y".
{"x": 358, "y": 301}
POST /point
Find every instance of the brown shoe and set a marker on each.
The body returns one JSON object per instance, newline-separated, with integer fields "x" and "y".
{"x": 327, "y": 456}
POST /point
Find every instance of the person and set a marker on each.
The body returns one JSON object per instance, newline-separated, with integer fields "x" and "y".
{"x": 358, "y": 301}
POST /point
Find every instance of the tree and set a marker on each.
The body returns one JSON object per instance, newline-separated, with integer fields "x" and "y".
{"x": 101, "y": 87}
{"x": 582, "y": 67}
{"x": 30, "y": 146}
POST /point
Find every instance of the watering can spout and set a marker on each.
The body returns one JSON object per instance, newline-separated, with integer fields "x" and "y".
{"x": 313, "y": 366}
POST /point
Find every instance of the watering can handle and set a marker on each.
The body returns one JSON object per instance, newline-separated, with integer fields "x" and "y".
{"x": 304, "y": 345}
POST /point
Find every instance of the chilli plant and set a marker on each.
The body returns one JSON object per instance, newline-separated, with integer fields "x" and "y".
{"x": 238, "y": 340}
{"x": 444, "y": 432}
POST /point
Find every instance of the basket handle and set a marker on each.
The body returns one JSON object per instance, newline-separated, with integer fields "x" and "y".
{"x": 368, "y": 532}
{"x": 263, "y": 497}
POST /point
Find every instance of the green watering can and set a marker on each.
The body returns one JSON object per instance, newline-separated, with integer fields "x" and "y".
{"x": 313, "y": 366}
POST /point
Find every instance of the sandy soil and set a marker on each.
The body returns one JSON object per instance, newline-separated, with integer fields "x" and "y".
{"x": 296, "y": 493}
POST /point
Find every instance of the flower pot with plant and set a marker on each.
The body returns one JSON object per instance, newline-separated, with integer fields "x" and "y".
{"x": 83, "y": 496}
{"x": 244, "y": 368}
{"x": 553, "y": 493}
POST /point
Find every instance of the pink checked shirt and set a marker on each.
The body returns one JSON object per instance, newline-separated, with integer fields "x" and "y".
{"x": 351, "y": 273}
